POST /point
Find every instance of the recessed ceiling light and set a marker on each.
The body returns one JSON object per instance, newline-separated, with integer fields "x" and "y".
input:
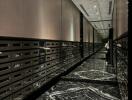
{"x": 95, "y": 6}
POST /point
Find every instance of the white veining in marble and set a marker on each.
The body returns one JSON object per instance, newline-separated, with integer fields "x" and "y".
{"x": 96, "y": 91}
{"x": 92, "y": 69}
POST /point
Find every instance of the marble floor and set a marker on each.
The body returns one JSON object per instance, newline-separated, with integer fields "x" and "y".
{"x": 89, "y": 81}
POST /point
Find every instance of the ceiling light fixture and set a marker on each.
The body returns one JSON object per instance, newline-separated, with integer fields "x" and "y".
{"x": 95, "y": 6}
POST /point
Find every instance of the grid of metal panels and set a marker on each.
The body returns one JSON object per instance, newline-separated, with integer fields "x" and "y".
{"x": 26, "y": 65}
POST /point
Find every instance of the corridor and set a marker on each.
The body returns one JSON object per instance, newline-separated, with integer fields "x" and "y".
{"x": 64, "y": 49}
{"x": 89, "y": 81}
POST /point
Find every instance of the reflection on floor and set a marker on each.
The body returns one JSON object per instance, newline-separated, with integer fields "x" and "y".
{"x": 93, "y": 69}
{"x": 89, "y": 81}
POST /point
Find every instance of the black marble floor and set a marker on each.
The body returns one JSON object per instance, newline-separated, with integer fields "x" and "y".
{"x": 93, "y": 69}
{"x": 89, "y": 81}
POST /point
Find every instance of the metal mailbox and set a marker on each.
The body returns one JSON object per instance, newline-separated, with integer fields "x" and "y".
{"x": 27, "y": 81}
{"x": 5, "y": 91}
{"x": 17, "y": 75}
{"x": 5, "y": 68}
{"x": 5, "y": 79}
{"x": 19, "y": 95}
{"x": 17, "y": 85}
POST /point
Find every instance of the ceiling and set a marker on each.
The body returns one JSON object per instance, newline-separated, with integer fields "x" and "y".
{"x": 98, "y": 12}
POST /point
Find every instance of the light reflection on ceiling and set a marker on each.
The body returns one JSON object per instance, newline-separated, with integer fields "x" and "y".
{"x": 98, "y": 13}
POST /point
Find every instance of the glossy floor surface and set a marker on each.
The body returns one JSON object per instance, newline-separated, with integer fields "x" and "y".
{"x": 89, "y": 81}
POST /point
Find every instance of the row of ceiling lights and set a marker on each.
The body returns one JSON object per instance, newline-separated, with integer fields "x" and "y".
{"x": 95, "y": 7}
{"x": 98, "y": 14}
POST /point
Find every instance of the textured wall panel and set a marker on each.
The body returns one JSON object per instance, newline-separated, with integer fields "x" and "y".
{"x": 91, "y": 34}
{"x": 120, "y": 18}
{"x": 11, "y": 18}
{"x": 24, "y": 69}
{"x": 95, "y": 37}
{"x": 76, "y": 20}
{"x": 30, "y": 18}
{"x": 115, "y": 21}
{"x": 120, "y": 55}
{"x": 84, "y": 29}
{"x": 70, "y": 21}
{"x": 50, "y": 19}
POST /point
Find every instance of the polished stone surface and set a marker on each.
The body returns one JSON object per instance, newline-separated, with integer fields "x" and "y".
{"x": 66, "y": 90}
{"x": 92, "y": 69}
{"x": 99, "y": 55}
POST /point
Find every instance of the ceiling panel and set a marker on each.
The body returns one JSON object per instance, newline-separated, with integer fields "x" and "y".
{"x": 98, "y": 12}
{"x": 99, "y": 25}
{"x": 104, "y": 34}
